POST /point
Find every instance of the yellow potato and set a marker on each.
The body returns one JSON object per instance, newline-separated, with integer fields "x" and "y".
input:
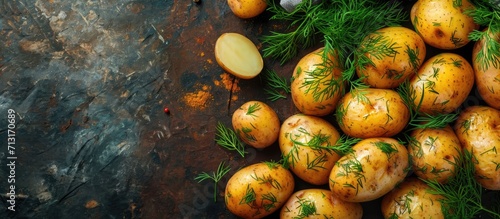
{"x": 319, "y": 203}
{"x": 434, "y": 152}
{"x": 442, "y": 84}
{"x": 238, "y": 55}
{"x": 372, "y": 112}
{"x": 303, "y": 141}
{"x": 258, "y": 190}
{"x": 316, "y": 87}
{"x": 478, "y": 129}
{"x": 443, "y": 23}
{"x": 375, "y": 167}
{"x": 247, "y": 8}
{"x": 411, "y": 199}
{"x": 486, "y": 71}
{"x": 390, "y": 56}
{"x": 256, "y": 123}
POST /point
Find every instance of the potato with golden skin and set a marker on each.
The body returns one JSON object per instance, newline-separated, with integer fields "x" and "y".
{"x": 411, "y": 199}
{"x": 304, "y": 142}
{"x": 390, "y": 56}
{"x": 247, "y": 8}
{"x": 434, "y": 153}
{"x": 258, "y": 190}
{"x": 316, "y": 85}
{"x": 443, "y": 23}
{"x": 442, "y": 84}
{"x": 375, "y": 167}
{"x": 486, "y": 71}
{"x": 372, "y": 112}
{"x": 478, "y": 129}
{"x": 256, "y": 124}
{"x": 319, "y": 203}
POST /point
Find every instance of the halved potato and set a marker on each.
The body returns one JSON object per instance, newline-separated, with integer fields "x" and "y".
{"x": 238, "y": 55}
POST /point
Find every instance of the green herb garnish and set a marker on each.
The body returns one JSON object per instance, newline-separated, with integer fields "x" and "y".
{"x": 215, "y": 176}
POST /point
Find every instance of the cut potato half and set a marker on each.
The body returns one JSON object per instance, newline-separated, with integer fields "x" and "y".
{"x": 238, "y": 55}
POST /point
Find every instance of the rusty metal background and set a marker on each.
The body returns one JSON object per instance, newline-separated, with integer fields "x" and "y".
{"x": 89, "y": 81}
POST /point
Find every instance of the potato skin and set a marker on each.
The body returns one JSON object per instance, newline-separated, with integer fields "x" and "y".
{"x": 411, "y": 199}
{"x": 433, "y": 153}
{"x": 247, "y": 8}
{"x": 375, "y": 167}
{"x": 478, "y": 129}
{"x": 256, "y": 123}
{"x": 442, "y": 24}
{"x": 487, "y": 79}
{"x": 326, "y": 205}
{"x": 389, "y": 71}
{"x": 312, "y": 165}
{"x": 309, "y": 98}
{"x": 442, "y": 84}
{"x": 258, "y": 190}
{"x": 372, "y": 112}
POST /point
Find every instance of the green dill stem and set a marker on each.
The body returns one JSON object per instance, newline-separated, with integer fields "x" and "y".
{"x": 462, "y": 193}
{"x": 215, "y": 177}
{"x": 227, "y": 138}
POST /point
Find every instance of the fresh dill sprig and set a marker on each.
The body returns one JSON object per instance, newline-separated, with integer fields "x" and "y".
{"x": 227, "y": 138}
{"x": 487, "y": 15}
{"x": 417, "y": 119}
{"x": 342, "y": 24}
{"x": 462, "y": 193}
{"x": 215, "y": 176}
{"x": 279, "y": 86}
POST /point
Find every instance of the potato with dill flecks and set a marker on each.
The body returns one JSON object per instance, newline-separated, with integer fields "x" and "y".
{"x": 442, "y": 84}
{"x": 478, "y": 129}
{"x": 411, "y": 199}
{"x": 319, "y": 203}
{"x": 258, "y": 190}
{"x": 306, "y": 145}
{"x": 389, "y": 56}
{"x": 256, "y": 124}
{"x": 443, "y": 23}
{"x": 374, "y": 168}
{"x": 317, "y": 85}
{"x": 434, "y": 153}
{"x": 372, "y": 112}
{"x": 486, "y": 63}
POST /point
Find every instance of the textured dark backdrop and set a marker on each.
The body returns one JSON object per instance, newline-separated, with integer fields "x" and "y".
{"x": 89, "y": 80}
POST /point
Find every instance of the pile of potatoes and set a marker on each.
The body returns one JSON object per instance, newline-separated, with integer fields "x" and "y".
{"x": 378, "y": 165}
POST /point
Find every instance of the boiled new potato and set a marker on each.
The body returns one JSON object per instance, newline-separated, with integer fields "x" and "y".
{"x": 442, "y": 84}
{"x": 390, "y": 56}
{"x": 317, "y": 85}
{"x": 443, "y": 23}
{"x": 319, "y": 203}
{"x": 258, "y": 190}
{"x": 478, "y": 129}
{"x": 434, "y": 153}
{"x": 375, "y": 167}
{"x": 238, "y": 55}
{"x": 411, "y": 199}
{"x": 247, "y": 8}
{"x": 305, "y": 143}
{"x": 256, "y": 124}
{"x": 372, "y": 112}
{"x": 487, "y": 70}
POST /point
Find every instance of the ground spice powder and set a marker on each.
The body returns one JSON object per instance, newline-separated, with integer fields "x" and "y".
{"x": 198, "y": 99}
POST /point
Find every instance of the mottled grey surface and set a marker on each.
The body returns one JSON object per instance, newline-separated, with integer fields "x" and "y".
{"x": 81, "y": 76}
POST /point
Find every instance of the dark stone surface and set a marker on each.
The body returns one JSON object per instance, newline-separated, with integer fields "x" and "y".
{"x": 89, "y": 80}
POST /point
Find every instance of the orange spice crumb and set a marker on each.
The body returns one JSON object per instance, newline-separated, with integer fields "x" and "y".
{"x": 198, "y": 99}
{"x": 91, "y": 204}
